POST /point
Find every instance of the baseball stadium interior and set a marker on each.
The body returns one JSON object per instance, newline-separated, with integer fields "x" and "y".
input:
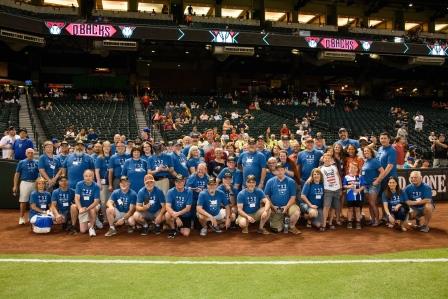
{"x": 197, "y": 99}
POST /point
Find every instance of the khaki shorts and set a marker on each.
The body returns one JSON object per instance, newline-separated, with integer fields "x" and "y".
{"x": 83, "y": 218}
{"x": 276, "y": 219}
{"x": 25, "y": 190}
{"x": 256, "y": 215}
{"x": 220, "y": 217}
{"x": 148, "y": 216}
{"x": 118, "y": 215}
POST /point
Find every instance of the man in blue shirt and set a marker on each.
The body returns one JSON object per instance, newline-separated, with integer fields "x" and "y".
{"x": 344, "y": 141}
{"x": 161, "y": 167}
{"x": 250, "y": 210}
{"x": 308, "y": 159}
{"x": 27, "y": 171}
{"x": 419, "y": 196}
{"x": 21, "y": 145}
{"x": 387, "y": 156}
{"x": 64, "y": 151}
{"x": 121, "y": 207}
{"x": 230, "y": 193}
{"x": 76, "y": 164}
{"x": 179, "y": 160}
{"x": 253, "y": 163}
{"x": 237, "y": 175}
{"x": 150, "y": 206}
{"x": 178, "y": 208}
{"x": 210, "y": 208}
{"x": 116, "y": 164}
{"x": 281, "y": 191}
{"x": 50, "y": 167}
{"x": 62, "y": 205}
{"x": 87, "y": 199}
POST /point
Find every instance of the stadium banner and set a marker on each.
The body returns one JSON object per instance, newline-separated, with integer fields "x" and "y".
{"x": 434, "y": 177}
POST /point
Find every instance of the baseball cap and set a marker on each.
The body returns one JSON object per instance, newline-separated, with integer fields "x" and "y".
{"x": 279, "y": 165}
{"x": 363, "y": 139}
{"x": 231, "y": 159}
{"x": 180, "y": 177}
{"x": 251, "y": 178}
{"x": 157, "y": 146}
{"x": 285, "y": 137}
{"x": 64, "y": 142}
{"x": 212, "y": 181}
{"x": 194, "y": 135}
{"x": 89, "y": 146}
{"x": 149, "y": 177}
{"x": 124, "y": 178}
{"x": 260, "y": 137}
{"x": 342, "y": 130}
{"x": 47, "y": 143}
{"x": 147, "y": 130}
{"x": 22, "y": 130}
{"x": 251, "y": 141}
{"x": 54, "y": 140}
{"x": 227, "y": 175}
{"x": 79, "y": 142}
{"x": 178, "y": 142}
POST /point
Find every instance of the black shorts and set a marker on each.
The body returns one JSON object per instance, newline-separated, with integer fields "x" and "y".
{"x": 354, "y": 204}
{"x": 186, "y": 222}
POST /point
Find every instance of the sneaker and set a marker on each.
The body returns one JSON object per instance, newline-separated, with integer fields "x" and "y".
{"x": 21, "y": 221}
{"x": 424, "y": 228}
{"x": 245, "y": 230}
{"x": 145, "y": 231}
{"x": 349, "y": 224}
{"x": 295, "y": 231}
{"x": 92, "y": 232}
{"x": 130, "y": 229}
{"x": 358, "y": 225}
{"x": 203, "y": 232}
{"x": 157, "y": 229}
{"x": 263, "y": 231}
{"x": 216, "y": 229}
{"x": 73, "y": 231}
{"x": 111, "y": 232}
{"x": 308, "y": 225}
{"x": 172, "y": 234}
{"x": 98, "y": 223}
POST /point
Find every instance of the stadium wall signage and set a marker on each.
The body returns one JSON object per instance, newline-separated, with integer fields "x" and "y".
{"x": 434, "y": 177}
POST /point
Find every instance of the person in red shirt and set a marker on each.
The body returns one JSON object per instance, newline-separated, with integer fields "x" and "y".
{"x": 234, "y": 135}
{"x": 284, "y": 131}
{"x": 400, "y": 147}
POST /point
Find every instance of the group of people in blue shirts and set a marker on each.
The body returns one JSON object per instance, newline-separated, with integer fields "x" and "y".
{"x": 152, "y": 188}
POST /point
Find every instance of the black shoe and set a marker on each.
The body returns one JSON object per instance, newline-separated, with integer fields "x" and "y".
{"x": 145, "y": 231}
{"x": 73, "y": 231}
{"x": 157, "y": 229}
{"x": 216, "y": 229}
{"x": 172, "y": 234}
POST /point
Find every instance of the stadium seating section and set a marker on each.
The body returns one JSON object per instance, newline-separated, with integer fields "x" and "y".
{"x": 107, "y": 118}
{"x": 9, "y": 116}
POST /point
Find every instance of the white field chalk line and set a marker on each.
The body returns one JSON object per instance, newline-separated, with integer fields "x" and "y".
{"x": 187, "y": 262}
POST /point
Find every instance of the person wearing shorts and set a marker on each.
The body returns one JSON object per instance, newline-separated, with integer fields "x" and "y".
{"x": 121, "y": 207}
{"x": 354, "y": 186}
{"x": 87, "y": 199}
{"x": 178, "y": 208}
{"x": 312, "y": 199}
{"x": 250, "y": 209}
{"x": 213, "y": 208}
{"x": 281, "y": 191}
{"x": 62, "y": 204}
{"x": 150, "y": 206}
{"x": 332, "y": 189}
{"x": 27, "y": 172}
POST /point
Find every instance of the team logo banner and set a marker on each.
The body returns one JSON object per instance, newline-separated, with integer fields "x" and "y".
{"x": 92, "y": 30}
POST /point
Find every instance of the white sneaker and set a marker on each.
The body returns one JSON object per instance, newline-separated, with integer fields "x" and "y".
{"x": 98, "y": 223}
{"x": 203, "y": 232}
{"x": 21, "y": 220}
{"x": 92, "y": 232}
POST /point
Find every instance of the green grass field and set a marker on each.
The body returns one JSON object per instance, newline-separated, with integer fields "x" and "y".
{"x": 383, "y": 280}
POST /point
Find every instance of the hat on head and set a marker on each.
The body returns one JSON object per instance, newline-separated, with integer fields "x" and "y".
{"x": 180, "y": 177}
{"x": 362, "y": 138}
{"x": 231, "y": 159}
{"x": 251, "y": 141}
{"x": 124, "y": 178}
{"x": 22, "y": 130}
{"x": 211, "y": 181}
{"x": 260, "y": 137}
{"x": 342, "y": 130}
{"x": 251, "y": 178}
{"x": 309, "y": 139}
{"x": 79, "y": 142}
{"x": 228, "y": 175}
{"x": 279, "y": 165}
{"x": 178, "y": 142}
{"x": 285, "y": 137}
{"x": 149, "y": 178}
{"x": 90, "y": 146}
{"x": 54, "y": 140}
{"x": 64, "y": 142}
{"x": 47, "y": 143}
{"x": 147, "y": 130}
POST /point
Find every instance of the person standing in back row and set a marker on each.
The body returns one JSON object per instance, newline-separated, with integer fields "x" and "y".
{"x": 21, "y": 145}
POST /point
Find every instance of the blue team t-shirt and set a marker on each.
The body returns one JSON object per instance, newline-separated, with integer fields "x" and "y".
{"x": 102, "y": 164}
{"x": 280, "y": 192}
{"x": 417, "y": 193}
{"x": 42, "y": 200}
{"x": 180, "y": 200}
{"x": 394, "y": 200}
{"x": 232, "y": 192}
{"x": 63, "y": 199}
{"x": 195, "y": 181}
{"x": 347, "y": 142}
{"x": 180, "y": 164}
{"x": 253, "y": 164}
{"x": 122, "y": 200}
{"x": 160, "y": 160}
{"x": 314, "y": 193}
{"x": 135, "y": 170}
{"x": 308, "y": 160}
{"x": 28, "y": 170}
{"x": 237, "y": 176}
{"x": 212, "y": 204}
{"x": 116, "y": 163}
{"x": 370, "y": 170}
{"x": 356, "y": 180}
{"x": 20, "y": 146}
{"x": 76, "y": 165}
{"x": 87, "y": 193}
{"x": 155, "y": 198}
{"x": 251, "y": 201}
{"x": 50, "y": 165}
{"x": 388, "y": 155}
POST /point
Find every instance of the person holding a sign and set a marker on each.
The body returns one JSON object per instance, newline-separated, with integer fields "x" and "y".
{"x": 419, "y": 200}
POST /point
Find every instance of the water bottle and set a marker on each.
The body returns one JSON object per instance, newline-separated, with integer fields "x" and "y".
{"x": 286, "y": 225}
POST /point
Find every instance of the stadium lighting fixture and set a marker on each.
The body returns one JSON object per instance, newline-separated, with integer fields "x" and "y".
{"x": 410, "y": 4}
{"x": 115, "y": 5}
{"x": 231, "y": 13}
{"x": 305, "y": 18}
{"x": 273, "y": 16}
{"x": 410, "y": 25}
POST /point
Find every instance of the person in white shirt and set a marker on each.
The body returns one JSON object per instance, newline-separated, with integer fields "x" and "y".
{"x": 7, "y": 142}
{"x": 332, "y": 189}
{"x": 419, "y": 119}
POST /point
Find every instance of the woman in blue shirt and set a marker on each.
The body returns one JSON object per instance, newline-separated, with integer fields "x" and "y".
{"x": 373, "y": 174}
{"x": 135, "y": 168}
{"x": 394, "y": 204}
{"x": 40, "y": 200}
{"x": 312, "y": 197}
{"x": 193, "y": 159}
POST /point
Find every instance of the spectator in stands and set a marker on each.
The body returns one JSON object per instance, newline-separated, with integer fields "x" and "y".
{"x": 217, "y": 116}
{"x": 418, "y": 119}
{"x": 402, "y": 133}
{"x": 284, "y": 131}
{"x": 7, "y": 142}
{"x": 21, "y": 145}
{"x": 234, "y": 115}
{"x": 27, "y": 172}
{"x": 50, "y": 166}
{"x": 440, "y": 150}
{"x": 432, "y": 137}
{"x": 82, "y": 135}
{"x": 92, "y": 136}
{"x": 247, "y": 115}
{"x": 419, "y": 199}
{"x": 400, "y": 148}
{"x": 204, "y": 116}
{"x": 226, "y": 126}
{"x": 344, "y": 140}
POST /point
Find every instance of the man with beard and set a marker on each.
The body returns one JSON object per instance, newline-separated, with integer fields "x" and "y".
{"x": 76, "y": 164}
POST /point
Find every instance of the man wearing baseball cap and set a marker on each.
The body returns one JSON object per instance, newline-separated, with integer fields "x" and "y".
{"x": 230, "y": 191}
{"x": 21, "y": 145}
{"x": 253, "y": 163}
{"x": 150, "y": 206}
{"x": 64, "y": 151}
{"x": 235, "y": 173}
{"x": 210, "y": 208}
{"x": 121, "y": 207}
{"x": 344, "y": 141}
{"x": 281, "y": 191}
{"x": 178, "y": 208}
{"x": 250, "y": 208}
{"x": 308, "y": 159}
